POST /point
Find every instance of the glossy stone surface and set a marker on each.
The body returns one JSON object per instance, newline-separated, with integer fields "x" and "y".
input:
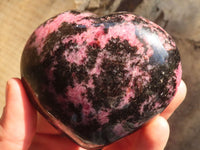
{"x": 98, "y": 79}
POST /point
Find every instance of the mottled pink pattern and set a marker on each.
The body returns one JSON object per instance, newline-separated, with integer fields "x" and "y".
{"x": 119, "y": 130}
{"x": 52, "y": 26}
{"x": 128, "y": 17}
{"x": 97, "y": 69}
{"x": 103, "y": 116}
{"x": 74, "y": 94}
{"x": 100, "y": 78}
{"x": 76, "y": 57}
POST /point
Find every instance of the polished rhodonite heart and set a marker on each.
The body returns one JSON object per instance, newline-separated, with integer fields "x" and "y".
{"x": 98, "y": 79}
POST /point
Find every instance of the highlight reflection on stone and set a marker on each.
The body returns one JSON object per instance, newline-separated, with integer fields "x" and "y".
{"x": 98, "y": 79}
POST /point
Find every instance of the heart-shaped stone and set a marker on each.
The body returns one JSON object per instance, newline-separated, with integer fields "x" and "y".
{"x": 98, "y": 79}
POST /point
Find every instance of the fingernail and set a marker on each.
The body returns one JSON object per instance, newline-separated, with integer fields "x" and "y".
{"x": 8, "y": 86}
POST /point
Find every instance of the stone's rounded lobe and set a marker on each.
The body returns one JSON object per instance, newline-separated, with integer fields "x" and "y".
{"x": 98, "y": 79}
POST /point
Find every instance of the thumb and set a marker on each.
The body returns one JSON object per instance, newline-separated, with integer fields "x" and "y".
{"x": 18, "y": 122}
{"x": 152, "y": 136}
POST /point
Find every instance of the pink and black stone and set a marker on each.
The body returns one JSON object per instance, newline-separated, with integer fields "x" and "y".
{"x": 98, "y": 79}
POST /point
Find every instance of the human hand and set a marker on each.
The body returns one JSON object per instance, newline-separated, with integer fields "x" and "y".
{"x": 22, "y": 129}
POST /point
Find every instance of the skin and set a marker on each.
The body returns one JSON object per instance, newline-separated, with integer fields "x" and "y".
{"x": 21, "y": 128}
